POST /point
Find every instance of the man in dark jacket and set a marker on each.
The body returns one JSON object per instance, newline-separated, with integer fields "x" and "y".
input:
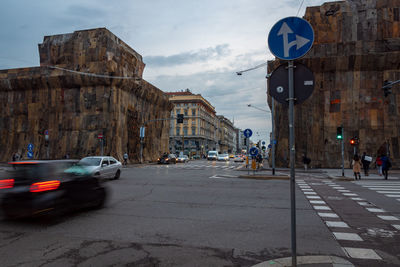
{"x": 386, "y": 164}
{"x": 365, "y": 163}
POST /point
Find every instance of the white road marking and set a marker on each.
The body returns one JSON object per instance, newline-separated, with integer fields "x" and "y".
{"x": 392, "y": 195}
{"x": 347, "y": 236}
{"x": 364, "y": 203}
{"x": 344, "y": 191}
{"x": 338, "y": 187}
{"x": 357, "y": 198}
{"x": 313, "y": 197}
{"x": 375, "y": 210}
{"x": 328, "y": 215}
{"x": 350, "y": 194}
{"x": 362, "y": 253}
{"x": 389, "y": 192}
{"x": 317, "y": 202}
{"x": 309, "y": 193}
{"x": 396, "y": 226}
{"x": 388, "y": 218}
{"x": 307, "y": 189}
{"x": 337, "y": 224}
{"x": 321, "y": 208}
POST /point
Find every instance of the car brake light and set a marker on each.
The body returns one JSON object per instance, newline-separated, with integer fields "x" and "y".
{"x": 7, "y": 183}
{"x": 45, "y": 186}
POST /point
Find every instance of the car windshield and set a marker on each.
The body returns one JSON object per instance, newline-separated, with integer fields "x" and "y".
{"x": 212, "y": 153}
{"x": 90, "y": 162}
{"x": 224, "y": 155}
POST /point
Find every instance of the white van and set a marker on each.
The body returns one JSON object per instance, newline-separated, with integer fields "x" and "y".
{"x": 212, "y": 155}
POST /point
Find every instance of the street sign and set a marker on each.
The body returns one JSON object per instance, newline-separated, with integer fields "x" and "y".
{"x": 269, "y": 146}
{"x": 100, "y": 136}
{"x": 274, "y": 142}
{"x": 30, "y": 147}
{"x": 30, "y": 154}
{"x": 253, "y": 151}
{"x": 46, "y": 132}
{"x": 279, "y": 85}
{"x": 247, "y": 133}
{"x": 290, "y": 38}
{"x": 263, "y": 142}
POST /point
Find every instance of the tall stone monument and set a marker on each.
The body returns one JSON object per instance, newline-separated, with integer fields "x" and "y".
{"x": 89, "y": 84}
{"x": 356, "y": 48}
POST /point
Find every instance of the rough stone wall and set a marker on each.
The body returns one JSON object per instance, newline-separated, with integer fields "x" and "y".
{"x": 75, "y": 108}
{"x": 356, "y": 48}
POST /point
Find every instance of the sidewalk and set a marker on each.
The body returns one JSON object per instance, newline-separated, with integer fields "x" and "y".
{"x": 307, "y": 261}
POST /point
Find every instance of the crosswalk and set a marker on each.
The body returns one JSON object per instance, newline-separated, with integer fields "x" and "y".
{"x": 390, "y": 189}
{"x": 189, "y": 166}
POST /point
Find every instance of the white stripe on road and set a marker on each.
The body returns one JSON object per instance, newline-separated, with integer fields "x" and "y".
{"x": 328, "y": 215}
{"x": 321, "y": 208}
{"x": 313, "y": 197}
{"x": 317, "y": 202}
{"x": 347, "y": 236}
{"x": 388, "y": 218}
{"x": 309, "y": 193}
{"x": 357, "y": 198}
{"x": 375, "y": 210}
{"x": 337, "y": 224}
{"x": 362, "y": 253}
{"x": 350, "y": 194}
{"x": 392, "y": 195}
{"x": 396, "y": 226}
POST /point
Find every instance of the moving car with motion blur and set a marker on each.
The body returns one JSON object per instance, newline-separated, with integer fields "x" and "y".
{"x": 238, "y": 158}
{"x": 42, "y": 187}
{"x": 104, "y": 167}
{"x": 167, "y": 159}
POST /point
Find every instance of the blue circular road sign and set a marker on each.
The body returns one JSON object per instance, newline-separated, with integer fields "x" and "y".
{"x": 247, "y": 133}
{"x": 290, "y": 38}
{"x": 30, "y": 154}
{"x": 30, "y": 147}
{"x": 253, "y": 151}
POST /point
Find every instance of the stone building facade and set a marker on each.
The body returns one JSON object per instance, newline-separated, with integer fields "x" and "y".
{"x": 356, "y": 48}
{"x": 89, "y": 83}
{"x": 226, "y": 135}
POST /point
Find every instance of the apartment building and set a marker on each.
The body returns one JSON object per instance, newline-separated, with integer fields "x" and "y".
{"x": 197, "y": 134}
{"x": 226, "y": 135}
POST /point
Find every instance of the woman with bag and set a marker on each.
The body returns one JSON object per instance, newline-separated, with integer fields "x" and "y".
{"x": 356, "y": 166}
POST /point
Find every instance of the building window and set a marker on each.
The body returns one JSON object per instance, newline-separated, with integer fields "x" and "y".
{"x": 185, "y": 131}
{"x": 193, "y": 130}
{"x": 178, "y": 111}
{"x": 177, "y": 131}
{"x": 186, "y": 112}
{"x": 193, "y": 112}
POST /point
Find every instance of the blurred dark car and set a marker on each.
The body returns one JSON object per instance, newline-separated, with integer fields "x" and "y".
{"x": 167, "y": 159}
{"x": 36, "y": 188}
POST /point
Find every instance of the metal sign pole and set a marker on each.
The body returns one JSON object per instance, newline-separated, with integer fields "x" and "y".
{"x": 273, "y": 135}
{"x": 248, "y": 160}
{"x": 141, "y": 149}
{"x": 292, "y": 162}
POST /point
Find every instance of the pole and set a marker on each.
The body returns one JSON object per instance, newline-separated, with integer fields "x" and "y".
{"x": 102, "y": 145}
{"x": 248, "y": 160}
{"x": 273, "y": 135}
{"x": 141, "y": 150}
{"x": 342, "y": 152}
{"x": 292, "y": 159}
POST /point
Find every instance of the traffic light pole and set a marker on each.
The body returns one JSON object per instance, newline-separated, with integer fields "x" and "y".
{"x": 273, "y": 135}
{"x": 342, "y": 140}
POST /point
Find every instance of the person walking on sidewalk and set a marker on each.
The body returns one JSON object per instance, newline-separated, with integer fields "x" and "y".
{"x": 306, "y": 161}
{"x": 356, "y": 166}
{"x": 386, "y": 164}
{"x": 378, "y": 162}
{"x": 125, "y": 159}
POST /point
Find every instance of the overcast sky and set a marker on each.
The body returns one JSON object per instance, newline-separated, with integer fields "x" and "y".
{"x": 195, "y": 44}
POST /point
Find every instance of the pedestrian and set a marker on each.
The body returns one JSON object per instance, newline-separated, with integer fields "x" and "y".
{"x": 378, "y": 162}
{"x": 386, "y": 165}
{"x": 126, "y": 159}
{"x": 259, "y": 160}
{"x": 356, "y": 166}
{"x": 365, "y": 160}
{"x": 14, "y": 157}
{"x": 306, "y": 161}
{"x": 66, "y": 156}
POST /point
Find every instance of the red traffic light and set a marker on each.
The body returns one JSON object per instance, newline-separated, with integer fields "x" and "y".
{"x": 352, "y": 141}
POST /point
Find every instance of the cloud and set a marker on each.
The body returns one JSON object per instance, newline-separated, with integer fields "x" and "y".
{"x": 201, "y": 55}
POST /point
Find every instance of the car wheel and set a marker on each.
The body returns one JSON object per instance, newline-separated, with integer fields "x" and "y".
{"x": 117, "y": 174}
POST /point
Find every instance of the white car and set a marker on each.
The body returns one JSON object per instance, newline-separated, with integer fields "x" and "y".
{"x": 223, "y": 157}
{"x": 104, "y": 167}
{"x": 238, "y": 158}
{"x": 183, "y": 159}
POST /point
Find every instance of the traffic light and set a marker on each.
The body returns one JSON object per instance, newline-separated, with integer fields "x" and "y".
{"x": 339, "y": 133}
{"x": 387, "y": 87}
{"x": 352, "y": 142}
{"x": 179, "y": 118}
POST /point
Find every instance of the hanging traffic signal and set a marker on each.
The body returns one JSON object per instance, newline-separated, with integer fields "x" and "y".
{"x": 339, "y": 133}
{"x": 387, "y": 87}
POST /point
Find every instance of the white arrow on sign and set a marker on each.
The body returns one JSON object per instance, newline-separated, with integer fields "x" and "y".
{"x": 299, "y": 42}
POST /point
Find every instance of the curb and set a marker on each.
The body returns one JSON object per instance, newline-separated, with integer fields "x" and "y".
{"x": 317, "y": 260}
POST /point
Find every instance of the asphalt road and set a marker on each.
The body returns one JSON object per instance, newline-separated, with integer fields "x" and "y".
{"x": 198, "y": 214}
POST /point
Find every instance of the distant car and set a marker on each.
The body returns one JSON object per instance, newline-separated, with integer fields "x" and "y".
{"x": 238, "y": 158}
{"x": 223, "y": 157}
{"x": 104, "y": 167}
{"x": 196, "y": 157}
{"x": 167, "y": 159}
{"x": 37, "y": 188}
{"x": 212, "y": 155}
{"x": 182, "y": 159}
{"x": 231, "y": 156}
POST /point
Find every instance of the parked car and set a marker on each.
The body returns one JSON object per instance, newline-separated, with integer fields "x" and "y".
{"x": 196, "y": 157}
{"x": 104, "y": 167}
{"x": 223, "y": 157}
{"x": 182, "y": 159}
{"x": 38, "y": 188}
{"x": 167, "y": 159}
